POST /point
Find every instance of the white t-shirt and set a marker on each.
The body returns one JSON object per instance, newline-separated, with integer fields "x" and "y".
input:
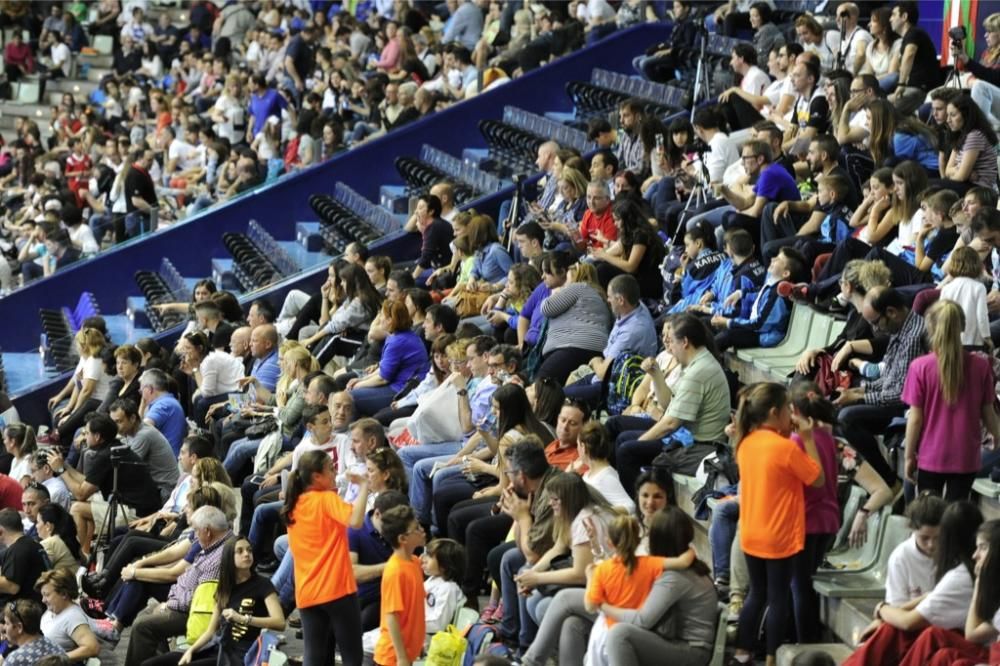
{"x": 849, "y": 46}
{"x": 20, "y": 467}
{"x": 93, "y": 368}
{"x": 220, "y": 373}
{"x": 578, "y": 528}
{"x": 948, "y": 603}
{"x": 722, "y": 153}
{"x": 910, "y": 574}
{"x": 608, "y": 484}
{"x": 905, "y": 236}
{"x": 773, "y": 93}
{"x": 60, "y": 55}
{"x": 187, "y": 156}
{"x": 971, "y": 296}
{"x": 755, "y": 81}
{"x": 59, "y": 628}
{"x": 82, "y": 236}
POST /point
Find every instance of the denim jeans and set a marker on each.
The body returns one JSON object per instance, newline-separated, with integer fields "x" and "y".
{"x": 510, "y": 626}
{"x": 369, "y": 400}
{"x": 137, "y": 224}
{"x": 240, "y": 453}
{"x": 283, "y": 578}
{"x": 411, "y": 455}
{"x": 265, "y": 517}
{"x": 100, "y": 225}
{"x": 420, "y": 486}
{"x": 721, "y": 532}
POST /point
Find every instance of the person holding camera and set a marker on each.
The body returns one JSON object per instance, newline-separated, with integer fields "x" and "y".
{"x": 919, "y": 70}
{"x": 93, "y": 488}
{"x": 986, "y": 89}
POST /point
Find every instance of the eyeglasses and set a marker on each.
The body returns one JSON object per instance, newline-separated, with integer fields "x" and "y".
{"x": 749, "y": 157}
{"x": 858, "y": 91}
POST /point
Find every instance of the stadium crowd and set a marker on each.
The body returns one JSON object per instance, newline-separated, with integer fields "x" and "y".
{"x": 498, "y": 423}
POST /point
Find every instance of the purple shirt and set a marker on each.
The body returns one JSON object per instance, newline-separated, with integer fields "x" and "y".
{"x": 951, "y": 438}
{"x": 404, "y": 356}
{"x": 822, "y": 508}
{"x": 775, "y": 184}
{"x": 532, "y": 311}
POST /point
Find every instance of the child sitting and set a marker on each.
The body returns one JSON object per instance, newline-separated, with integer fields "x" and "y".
{"x": 764, "y": 322}
{"x": 740, "y": 276}
{"x": 698, "y": 265}
{"x": 965, "y": 287}
{"x": 830, "y": 224}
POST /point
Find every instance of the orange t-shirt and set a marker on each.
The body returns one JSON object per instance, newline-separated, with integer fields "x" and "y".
{"x": 318, "y": 541}
{"x": 612, "y": 584}
{"x": 561, "y": 458}
{"x": 774, "y": 472}
{"x": 402, "y": 594}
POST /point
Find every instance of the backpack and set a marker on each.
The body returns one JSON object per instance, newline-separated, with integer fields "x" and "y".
{"x": 202, "y": 607}
{"x": 478, "y": 637}
{"x": 623, "y": 379}
{"x": 448, "y": 648}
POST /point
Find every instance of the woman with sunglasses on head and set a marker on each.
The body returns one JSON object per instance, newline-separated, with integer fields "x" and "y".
{"x": 22, "y": 622}
{"x": 245, "y": 604}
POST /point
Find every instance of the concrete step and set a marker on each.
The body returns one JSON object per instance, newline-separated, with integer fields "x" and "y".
{"x": 97, "y": 73}
{"x": 75, "y": 86}
{"x": 35, "y": 111}
{"x": 787, "y": 654}
{"x": 846, "y": 617}
{"x": 308, "y": 236}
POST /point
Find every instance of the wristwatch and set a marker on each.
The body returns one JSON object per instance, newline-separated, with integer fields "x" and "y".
{"x": 462, "y": 392}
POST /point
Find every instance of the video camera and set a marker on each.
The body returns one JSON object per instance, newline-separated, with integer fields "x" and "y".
{"x": 958, "y": 35}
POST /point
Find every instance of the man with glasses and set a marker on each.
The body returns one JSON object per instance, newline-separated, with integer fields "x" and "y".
{"x": 475, "y": 387}
{"x": 773, "y": 184}
{"x": 92, "y": 489}
{"x": 852, "y": 125}
{"x": 23, "y": 560}
{"x": 54, "y": 487}
{"x": 597, "y": 228}
{"x": 870, "y": 407}
{"x": 161, "y": 409}
{"x": 783, "y": 220}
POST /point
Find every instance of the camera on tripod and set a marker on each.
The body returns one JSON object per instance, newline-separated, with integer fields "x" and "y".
{"x": 957, "y": 35}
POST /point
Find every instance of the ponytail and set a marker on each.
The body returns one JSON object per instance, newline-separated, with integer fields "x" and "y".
{"x": 810, "y": 402}
{"x": 310, "y": 463}
{"x": 23, "y": 436}
{"x": 756, "y": 403}
{"x": 945, "y": 323}
{"x": 625, "y": 534}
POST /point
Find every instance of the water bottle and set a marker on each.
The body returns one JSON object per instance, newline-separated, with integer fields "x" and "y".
{"x": 43, "y": 348}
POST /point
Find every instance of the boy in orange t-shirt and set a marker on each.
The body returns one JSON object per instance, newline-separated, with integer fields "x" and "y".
{"x": 402, "y": 628}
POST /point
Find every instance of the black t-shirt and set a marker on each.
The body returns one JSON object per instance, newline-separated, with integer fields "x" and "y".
{"x": 23, "y": 562}
{"x": 247, "y": 598}
{"x": 135, "y": 486}
{"x": 853, "y": 199}
{"x": 138, "y": 184}
{"x": 435, "y": 250}
{"x": 301, "y": 54}
{"x": 941, "y": 244}
{"x": 926, "y": 71}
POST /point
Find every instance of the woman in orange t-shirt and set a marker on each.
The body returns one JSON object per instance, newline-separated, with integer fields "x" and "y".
{"x": 773, "y": 474}
{"x": 326, "y": 591}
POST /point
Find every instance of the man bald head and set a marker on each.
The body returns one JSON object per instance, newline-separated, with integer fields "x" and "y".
{"x": 263, "y": 340}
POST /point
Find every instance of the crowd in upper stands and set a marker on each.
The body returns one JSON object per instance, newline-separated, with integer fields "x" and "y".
{"x": 200, "y": 111}
{"x": 500, "y": 422}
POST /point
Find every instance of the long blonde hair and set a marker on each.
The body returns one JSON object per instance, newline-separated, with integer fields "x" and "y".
{"x": 945, "y": 323}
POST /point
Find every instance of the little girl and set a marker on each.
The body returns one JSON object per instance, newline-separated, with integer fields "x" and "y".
{"x": 964, "y": 286}
{"x": 443, "y": 563}
{"x": 623, "y": 581}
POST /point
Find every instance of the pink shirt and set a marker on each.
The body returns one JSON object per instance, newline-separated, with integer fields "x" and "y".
{"x": 822, "y": 507}
{"x": 951, "y": 440}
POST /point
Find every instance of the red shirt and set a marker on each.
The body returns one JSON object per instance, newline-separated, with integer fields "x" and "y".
{"x": 591, "y": 224}
{"x": 561, "y": 458}
{"x": 10, "y": 493}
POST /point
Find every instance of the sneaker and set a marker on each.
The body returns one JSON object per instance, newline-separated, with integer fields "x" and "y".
{"x": 798, "y": 292}
{"x": 107, "y": 630}
{"x": 295, "y": 622}
{"x": 735, "y": 607}
{"x": 93, "y": 607}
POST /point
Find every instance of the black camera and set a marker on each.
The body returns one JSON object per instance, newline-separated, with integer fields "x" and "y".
{"x": 957, "y": 35}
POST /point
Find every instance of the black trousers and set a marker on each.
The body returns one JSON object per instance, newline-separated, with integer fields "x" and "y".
{"x": 859, "y": 422}
{"x": 952, "y": 487}
{"x": 804, "y": 598}
{"x": 132, "y": 547}
{"x": 558, "y": 363}
{"x": 473, "y": 524}
{"x": 770, "y": 581}
{"x": 310, "y": 312}
{"x": 388, "y": 415}
{"x": 331, "y": 627}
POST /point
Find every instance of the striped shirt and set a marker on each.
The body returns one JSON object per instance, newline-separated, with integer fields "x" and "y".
{"x": 578, "y": 317}
{"x": 903, "y": 348}
{"x": 701, "y": 398}
{"x": 984, "y": 171}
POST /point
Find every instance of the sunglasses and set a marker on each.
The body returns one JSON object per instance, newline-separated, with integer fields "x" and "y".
{"x": 12, "y": 609}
